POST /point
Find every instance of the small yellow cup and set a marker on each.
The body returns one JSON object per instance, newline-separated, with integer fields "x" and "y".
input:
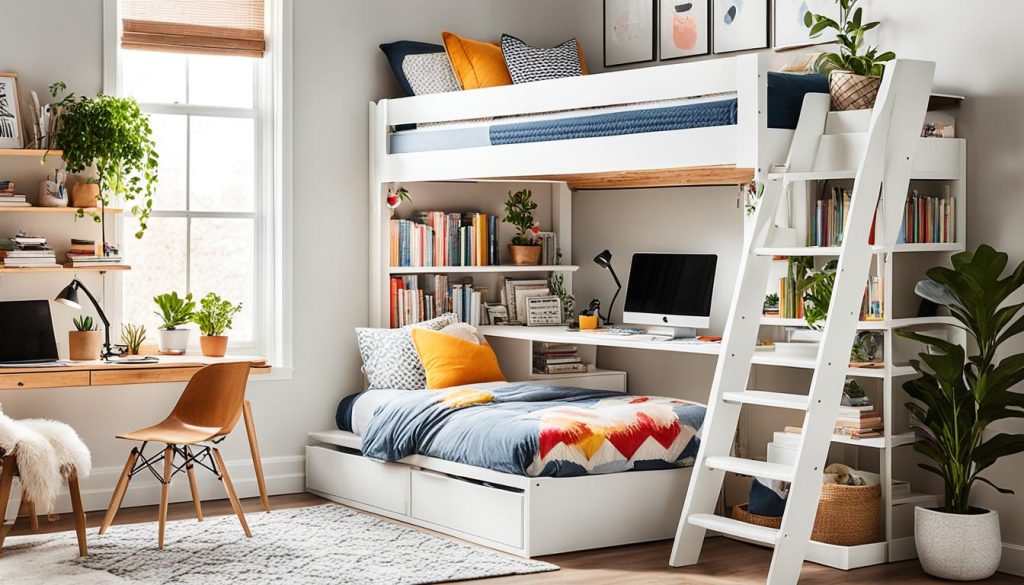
{"x": 588, "y": 322}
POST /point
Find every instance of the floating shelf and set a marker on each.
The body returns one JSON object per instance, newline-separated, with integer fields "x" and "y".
{"x": 881, "y": 325}
{"x": 498, "y": 269}
{"x": 31, "y": 152}
{"x": 35, "y": 209}
{"x": 61, "y": 268}
{"x": 835, "y": 250}
{"x": 875, "y": 442}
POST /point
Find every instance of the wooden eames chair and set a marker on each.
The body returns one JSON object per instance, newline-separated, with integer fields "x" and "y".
{"x": 205, "y": 414}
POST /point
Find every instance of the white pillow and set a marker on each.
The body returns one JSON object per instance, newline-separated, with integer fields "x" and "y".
{"x": 464, "y": 331}
{"x": 390, "y": 361}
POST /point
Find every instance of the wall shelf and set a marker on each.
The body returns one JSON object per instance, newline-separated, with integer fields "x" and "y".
{"x": 31, "y": 152}
{"x": 497, "y": 269}
{"x": 61, "y": 268}
{"x": 73, "y": 210}
{"x": 881, "y": 325}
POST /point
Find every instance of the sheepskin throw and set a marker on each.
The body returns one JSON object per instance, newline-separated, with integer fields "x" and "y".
{"x": 46, "y": 451}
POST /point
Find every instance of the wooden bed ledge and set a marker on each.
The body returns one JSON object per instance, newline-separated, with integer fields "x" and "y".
{"x": 680, "y": 177}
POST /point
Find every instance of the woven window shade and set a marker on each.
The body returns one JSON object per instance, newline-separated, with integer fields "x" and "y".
{"x": 217, "y": 27}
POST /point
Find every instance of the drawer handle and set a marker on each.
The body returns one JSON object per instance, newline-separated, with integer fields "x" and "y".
{"x": 20, "y": 384}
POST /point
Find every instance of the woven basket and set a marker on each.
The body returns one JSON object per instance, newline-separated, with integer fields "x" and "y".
{"x": 847, "y": 515}
{"x": 851, "y": 91}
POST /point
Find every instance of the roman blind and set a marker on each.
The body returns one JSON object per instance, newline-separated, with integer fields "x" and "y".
{"x": 219, "y": 27}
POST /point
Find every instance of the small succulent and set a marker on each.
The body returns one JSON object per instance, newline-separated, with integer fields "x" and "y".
{"x": 84, "y": 323}
{"x": 132, "y": 337}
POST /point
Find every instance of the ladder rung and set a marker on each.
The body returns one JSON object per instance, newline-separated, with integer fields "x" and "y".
{"x": 761, "y": 534}
{"x": 773, "y": 399}
{"x": 751, "y": 467}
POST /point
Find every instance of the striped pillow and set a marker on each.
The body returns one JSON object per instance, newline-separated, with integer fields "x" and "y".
{"x": 526, "y": 63}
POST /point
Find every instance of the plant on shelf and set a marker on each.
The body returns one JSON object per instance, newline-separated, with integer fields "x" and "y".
{"x": 815, "y": 286}
{"x": 525, "y": 247}
{"x": 174, "y": 312}
{"x": 557, "y": 284}
{"x": 954, "y": 400}
{"x": 214, "y": 317}
{"x": 110, "y": 135}
{"x": 855, "y": 70}
{"x": 85, "y": 341}
{"x": 132, "y": 336}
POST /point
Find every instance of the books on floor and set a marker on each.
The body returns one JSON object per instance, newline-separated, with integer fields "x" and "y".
{"x": 557, "y": 358}
{"x": 439, "y": 238}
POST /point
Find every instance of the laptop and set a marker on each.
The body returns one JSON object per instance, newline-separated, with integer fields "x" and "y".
{"x": 26, "y": 334}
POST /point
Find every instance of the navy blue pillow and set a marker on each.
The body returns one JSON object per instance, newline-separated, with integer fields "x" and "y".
{"x": 764, "y": 501}
{"x": 397, "y": 52}
{"x": 786, "y": 96}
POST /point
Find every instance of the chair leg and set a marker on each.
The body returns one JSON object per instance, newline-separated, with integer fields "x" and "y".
{"x": 254, "y": 450}
{"x": 78, "y": 511}
{"x": 122, "y": 487}
{"x": 6, "y": 480}
{"x": 194, "y": 487}
{"x": 165, "y": 491}
{"x": 33, "y": 519}
{"x": 230, "y": 489}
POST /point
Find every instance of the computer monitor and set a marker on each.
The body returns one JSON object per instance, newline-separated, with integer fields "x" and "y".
{"x": 26, "y": 332}
{"x": 672, "y": 291}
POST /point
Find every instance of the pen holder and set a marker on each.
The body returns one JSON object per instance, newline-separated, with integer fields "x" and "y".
{"x": 588, "y": 322}
{"x": 52, "y": 194}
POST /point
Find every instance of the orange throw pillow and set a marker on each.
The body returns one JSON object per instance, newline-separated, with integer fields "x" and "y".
{"x": 476, "y": 64}
{"x": 453, "y": 361}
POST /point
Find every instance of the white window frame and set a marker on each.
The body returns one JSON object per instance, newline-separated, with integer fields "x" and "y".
{"x": 273, "y": 237}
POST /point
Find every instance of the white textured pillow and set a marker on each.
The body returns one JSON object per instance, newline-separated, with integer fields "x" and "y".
{"x": 390, "y": 361}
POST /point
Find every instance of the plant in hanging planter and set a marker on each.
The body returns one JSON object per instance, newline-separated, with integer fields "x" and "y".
{"x": 855, "y": 70}
{"x": 956, "y": 398}
{"x": 525, "y": 247}
{"x": 174, "y": 312}
{"x": 85, "y": 341}
{"x": 215, "y": 316}
{"x": 111, "y": 136}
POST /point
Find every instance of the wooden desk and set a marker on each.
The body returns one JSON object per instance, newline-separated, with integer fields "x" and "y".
{"x": 168, "y": 369}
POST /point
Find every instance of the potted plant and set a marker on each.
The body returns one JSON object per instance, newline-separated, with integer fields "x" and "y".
{"x": 855, "y": 71}
{"x": 85, "y": 341}
{"x": 525, "y": 247}
{"x": 214, "y": 318}
{"x": 955, "y": 399}
{"x": 174, "y": 311}
{"x": 110, "y": 135}
{"x": 132, "y": 337}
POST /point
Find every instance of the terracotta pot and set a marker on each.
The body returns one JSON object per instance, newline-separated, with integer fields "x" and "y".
{"x": 84, "y": 195}
{"x": 214, "y": 345}
{"x": 173, "y": 341}
{"x": 850, "y": 91}
{"x": 84, "y": 345}
{"x": 524, "y": 255}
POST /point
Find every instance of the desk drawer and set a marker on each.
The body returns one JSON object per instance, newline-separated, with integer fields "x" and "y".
{"x": 142, "y": 376}
{"x": 54, "y": 379}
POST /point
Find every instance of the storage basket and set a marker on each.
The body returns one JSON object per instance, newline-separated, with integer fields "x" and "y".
{"x": 847, "y": 515}
{"x": 853, "y": 92}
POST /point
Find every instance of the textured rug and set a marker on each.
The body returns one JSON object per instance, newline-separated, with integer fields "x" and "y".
{"x": 319, "y": 545}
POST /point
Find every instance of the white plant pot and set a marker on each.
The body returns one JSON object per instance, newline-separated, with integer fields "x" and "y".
{"x": 961, "y": 547}
{"x": 173, "y": 340}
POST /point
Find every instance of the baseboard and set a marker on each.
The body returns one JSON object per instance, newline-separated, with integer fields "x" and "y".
{"x": 1013, "y": 559}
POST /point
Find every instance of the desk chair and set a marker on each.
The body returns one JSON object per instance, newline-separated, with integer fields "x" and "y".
{"x": 205, "y": 414}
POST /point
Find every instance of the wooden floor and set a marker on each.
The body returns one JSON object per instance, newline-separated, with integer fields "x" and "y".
{"x": 723, "y": 561}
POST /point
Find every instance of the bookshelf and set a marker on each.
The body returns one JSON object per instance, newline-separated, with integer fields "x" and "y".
{"x": 72, "y": 210}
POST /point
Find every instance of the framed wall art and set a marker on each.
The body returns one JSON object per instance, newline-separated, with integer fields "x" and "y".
{"x": 739, "y": 25}
{"x": 790, "y": 29}
{"x": 683, "y": 29}
{"x": 628, "y": 32}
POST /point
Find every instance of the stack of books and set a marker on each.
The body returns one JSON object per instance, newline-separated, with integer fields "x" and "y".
{"x": 412, "y": 303}
{"x": 928, "y": 219}
{"x": 557, "y": 358}
{"x": 438, "y": 238}
{"x": 93, "y": 261}
{"x": 859, "y": 422}
{"x": 549, "y": 248}
{"x": 829, "y": 217}
{"x": 81, "y": 249}
{"x": 8, "y": 198}
{"x": 28, "y": 251}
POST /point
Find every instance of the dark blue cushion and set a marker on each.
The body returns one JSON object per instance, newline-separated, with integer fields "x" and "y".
{"x": 764, "y": 501}
{"x": 396, "y": 53}
{"x": 786, "y": 93}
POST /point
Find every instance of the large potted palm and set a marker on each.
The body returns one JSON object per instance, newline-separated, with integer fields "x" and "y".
{"x": 955, "y": 399}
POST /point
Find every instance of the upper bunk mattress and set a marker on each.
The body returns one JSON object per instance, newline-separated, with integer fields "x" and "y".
{"x": 526, "y": 428}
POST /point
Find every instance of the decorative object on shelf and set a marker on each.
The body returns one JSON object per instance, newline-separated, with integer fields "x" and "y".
{"x": 214, "y": 317}
{"x": 397, "y": 197}
{"x": 557, "y": 282}
{"x": 10, "y": 112}
{"x": 628, "y": 32}
{"x": 174, "y": 311}
{"x": 53, "y": 192}
{"x": 69, "y": 296}
{"x": 604, "y": 260}
{"x": 41, "y": 124}
{"x": 111, "y": 135}
{"x": 132, "y": 336}
{"x": 544, "y": 310}
{"x": 792, "y": 28}
{"x": 525, "y": 248}
{"x": 683, "y": 29}
{"x": 589, "y": 318}
{"x": 740, "y": 25}
{"x": 955, "y": 399}
{"x": 85, "y": 194}
{"x": 84, "y": 342}
{"x": 771, "y": 305}
{"x": 867, "y": 348}
{"x": 750, "y": 194}
{"x": 855, "y": 72}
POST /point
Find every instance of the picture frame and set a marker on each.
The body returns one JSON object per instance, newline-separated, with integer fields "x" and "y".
{"x": 11, "y": 125}
{"x": 739, "y": 25}
{"x": 543, "y": 310}
{"x": 684, "y": 29}
{"x": 629, "y": 32}
{"x": 788, "y": 28}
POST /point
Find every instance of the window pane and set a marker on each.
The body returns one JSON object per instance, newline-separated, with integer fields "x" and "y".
{"x": 158, "y": 266}
{"x": 154, "y": 77}
{"x": 223, "y": 262}
{"x": 223, "y": 166}
{"x": 170, "y": 133}
{"x": 216, "y": 80}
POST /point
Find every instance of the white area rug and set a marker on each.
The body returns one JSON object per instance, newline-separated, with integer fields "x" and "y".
{"x": 319, "y": 545}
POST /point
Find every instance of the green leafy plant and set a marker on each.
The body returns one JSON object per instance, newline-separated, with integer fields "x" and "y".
{"x": 816, "y": 288}
{"x": 216, "y": 314}
{"x": 557, "y": 284}
{"x": 750, "y": 194}
{"x": 771, "y": 300}
{"x": 111, "y": 135}
{"x": 958, "y": 395}
{"x": 132, "y": 337}
{"x": 174, "y": 310}
{"x": 853, "y": 55}
{"x": 519, "y": 208}
{"x": 84, "y": 323}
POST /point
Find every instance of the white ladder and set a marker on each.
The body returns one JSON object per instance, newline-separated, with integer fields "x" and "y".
{"x": 892, "y": 135}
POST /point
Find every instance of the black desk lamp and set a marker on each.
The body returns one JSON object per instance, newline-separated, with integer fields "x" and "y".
{"x": 604, "y": 260}
{"x": 69, "y": 297}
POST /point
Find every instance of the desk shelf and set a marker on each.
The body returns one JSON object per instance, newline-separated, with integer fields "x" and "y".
{"x": 61, "y": 268}
{"x": 72, "y": 210}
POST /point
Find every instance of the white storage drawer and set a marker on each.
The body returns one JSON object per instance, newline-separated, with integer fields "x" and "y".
{"x": 594, "y": 380}
{"x": 486, "y": 512}
{"x": 354, "y": 477}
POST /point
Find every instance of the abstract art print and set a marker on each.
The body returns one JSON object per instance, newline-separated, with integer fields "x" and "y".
{"x": 740, "y": 25}
{"x": 683, "y": 28}
{"x": 790, "y": 30}
{"x": 10, "y": 115}
{"x": 628, "y": 32}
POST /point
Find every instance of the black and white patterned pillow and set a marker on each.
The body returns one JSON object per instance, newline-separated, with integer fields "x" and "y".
{"x": 526, "y": 63}
{"x": 390, "y": 361}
